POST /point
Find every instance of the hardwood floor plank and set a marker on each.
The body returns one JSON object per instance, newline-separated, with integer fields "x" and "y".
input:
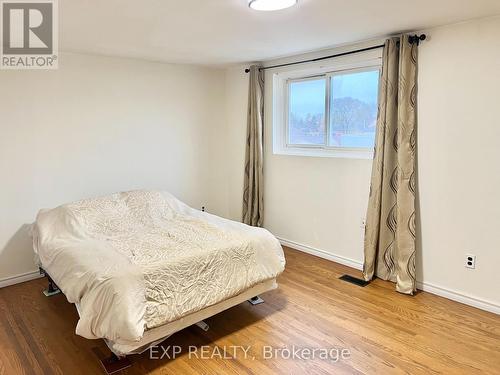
{"x": 385, "y": 332}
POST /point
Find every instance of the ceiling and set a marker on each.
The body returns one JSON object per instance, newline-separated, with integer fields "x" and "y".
{"x": 223, "y": 32}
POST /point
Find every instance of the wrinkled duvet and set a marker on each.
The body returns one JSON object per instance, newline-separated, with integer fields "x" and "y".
{"x": 137, "y": 260}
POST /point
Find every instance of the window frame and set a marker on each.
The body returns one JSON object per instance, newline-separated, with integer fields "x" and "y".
{"x": 281, "y": 106}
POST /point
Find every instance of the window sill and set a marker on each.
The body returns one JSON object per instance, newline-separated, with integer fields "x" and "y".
{"x": 366, "y": 154}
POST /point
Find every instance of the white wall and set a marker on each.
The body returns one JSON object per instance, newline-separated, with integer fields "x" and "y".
{"x": 236, "y": 121}
{"x": 319, "y": 202}
{"x": 323, "y": 199}
{"x": 459, "y": 157}
{"x": 100, "y": 125}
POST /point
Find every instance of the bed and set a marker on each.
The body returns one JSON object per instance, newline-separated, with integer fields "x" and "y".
{"x": 142, "y": 265}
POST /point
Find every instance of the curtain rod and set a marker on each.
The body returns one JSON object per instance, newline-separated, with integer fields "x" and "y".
{"x": 412, "y": 39}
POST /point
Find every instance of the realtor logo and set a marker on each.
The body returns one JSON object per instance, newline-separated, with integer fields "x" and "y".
{"x": 29, "y": 34}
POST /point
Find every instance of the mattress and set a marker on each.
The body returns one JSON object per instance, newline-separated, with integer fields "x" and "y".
{"x": 157, "y": 335}
{"x": 137, "y": 260}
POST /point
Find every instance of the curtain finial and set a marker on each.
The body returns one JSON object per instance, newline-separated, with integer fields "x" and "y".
{"x": 417, "y": 38}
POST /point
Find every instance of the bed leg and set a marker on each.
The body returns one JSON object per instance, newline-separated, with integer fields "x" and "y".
{"x": 113, "y": 363}
{"x": 52, "y": 288}
{"x": 204, "y": 326}
{"x": 256, "y": 300}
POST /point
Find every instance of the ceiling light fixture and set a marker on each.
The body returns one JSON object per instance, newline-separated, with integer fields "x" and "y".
{"x": 268, "y": 5}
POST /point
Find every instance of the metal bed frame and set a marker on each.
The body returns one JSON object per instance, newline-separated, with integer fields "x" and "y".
{"x": 115, "y": 363}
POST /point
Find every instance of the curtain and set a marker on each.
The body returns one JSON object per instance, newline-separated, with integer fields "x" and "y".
{"x": 253, "y": 191}
{"x": 390, "y": 223}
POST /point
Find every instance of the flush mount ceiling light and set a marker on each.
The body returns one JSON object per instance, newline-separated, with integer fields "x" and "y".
{"x": 268, "y": 5}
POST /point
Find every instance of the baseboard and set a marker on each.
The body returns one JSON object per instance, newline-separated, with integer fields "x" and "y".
{"x": 424, "y": 286}
{"x": 322, "y": 254}
{"x": 459, "y": 297}
{"x": 8, "y": 281}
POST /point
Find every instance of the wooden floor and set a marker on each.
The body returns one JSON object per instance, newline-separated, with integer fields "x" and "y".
{"x": 385, "y": 332}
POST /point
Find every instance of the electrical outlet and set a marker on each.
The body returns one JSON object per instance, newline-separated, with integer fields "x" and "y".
{"x": 362, "y": 223}
{"x": 203, "y": 208}
{"x": 470, "y": 261}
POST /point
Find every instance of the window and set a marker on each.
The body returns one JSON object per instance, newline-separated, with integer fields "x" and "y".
{"x": 327, "y": 111}
{"x": 353, "y": 109}
{"x": 306, "y": 112}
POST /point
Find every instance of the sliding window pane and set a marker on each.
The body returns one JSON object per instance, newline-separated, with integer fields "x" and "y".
{"x": 353, "y": 109}
{"x": 306, "y": 116}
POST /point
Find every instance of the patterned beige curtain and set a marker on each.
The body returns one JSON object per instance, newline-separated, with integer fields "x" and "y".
{"x": 253, "y": 192}
{"x": 390, "y": 221}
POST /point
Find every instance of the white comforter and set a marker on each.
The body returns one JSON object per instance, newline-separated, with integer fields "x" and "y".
{"x": 133, "y": 261}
